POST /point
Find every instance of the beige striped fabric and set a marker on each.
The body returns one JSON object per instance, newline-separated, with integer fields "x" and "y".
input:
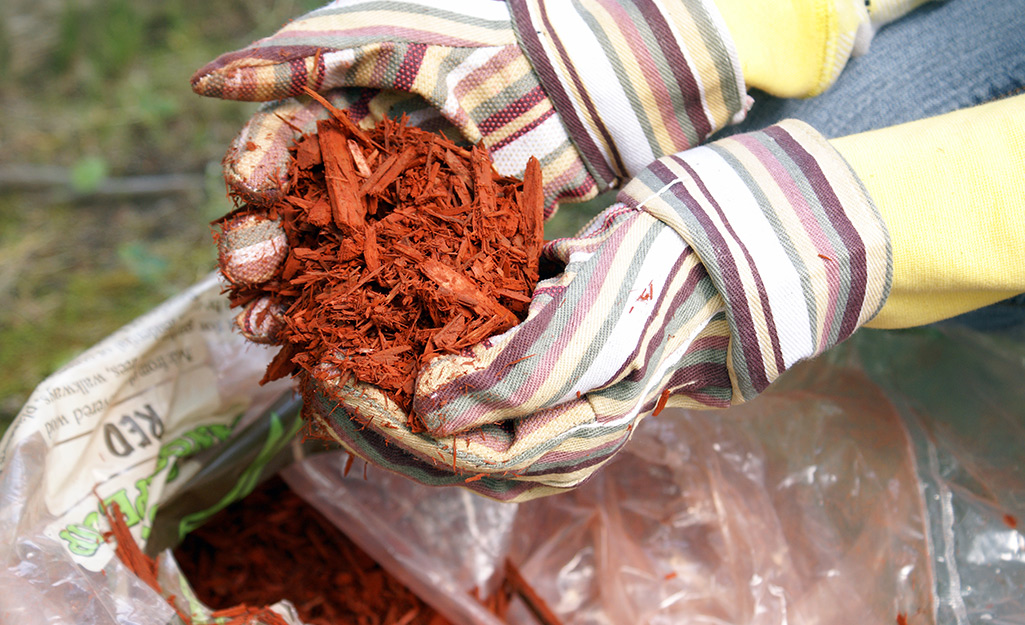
{"x": 633, "y": 79}
{"x": 789, "y": 235}
{"x": 460, "y": 58}
{"x": 654, "y": 78}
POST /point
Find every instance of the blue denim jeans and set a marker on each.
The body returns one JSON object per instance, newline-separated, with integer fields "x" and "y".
{"x": 942, "y": 57}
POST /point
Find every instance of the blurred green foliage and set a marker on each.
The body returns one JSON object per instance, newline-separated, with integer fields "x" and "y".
{"x": 108, "y": 35}
{"x": 87, "y": 174}
{"x": 92, "y": 90}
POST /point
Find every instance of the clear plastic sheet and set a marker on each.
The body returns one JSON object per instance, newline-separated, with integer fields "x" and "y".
{"x": 884, "y": 480}
{"x": 801, "y": 507}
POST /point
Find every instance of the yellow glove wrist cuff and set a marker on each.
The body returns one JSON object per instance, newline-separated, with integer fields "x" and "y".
{"x": 951, "y": 190}
{"x": 793, "y": 48}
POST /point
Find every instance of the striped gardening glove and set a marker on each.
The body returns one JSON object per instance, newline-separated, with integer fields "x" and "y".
{"x": 595, "y": 90}
{"x": 716, "y": 270}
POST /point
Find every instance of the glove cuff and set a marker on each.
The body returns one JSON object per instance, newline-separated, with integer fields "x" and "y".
{"x": 789, "y": 236}
{"x": 633, "y": 79}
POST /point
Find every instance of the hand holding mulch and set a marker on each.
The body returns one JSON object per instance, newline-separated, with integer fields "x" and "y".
{"x": 679, "y": 295}
{"x": 394, "y": 251}
{"x": 662, "y": 301}
{"x": 390, "y": 247}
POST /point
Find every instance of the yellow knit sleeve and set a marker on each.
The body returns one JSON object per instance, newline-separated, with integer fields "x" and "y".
{"x": 951, "y": 190}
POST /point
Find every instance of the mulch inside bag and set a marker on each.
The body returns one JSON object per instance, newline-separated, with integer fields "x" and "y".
{"x": 272, "y": 545}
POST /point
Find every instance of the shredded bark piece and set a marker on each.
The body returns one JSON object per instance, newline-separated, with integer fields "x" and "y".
{"x": 517, "y": 584}
{"x": 402, "y": 246}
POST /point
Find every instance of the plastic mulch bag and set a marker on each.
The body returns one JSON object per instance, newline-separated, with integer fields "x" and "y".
{"x": 882, "y": 482}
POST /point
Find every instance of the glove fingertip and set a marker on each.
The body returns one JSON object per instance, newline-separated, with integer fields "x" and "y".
{"x": 250, "y": 249}
{"x": 200, "y": 83}
{"x": 254, "y": 174}
{"x": 211, "y": 79}
{"x": 261, "y": 74}
{"x": 256, "y": 163}
{"x": 261, "y": 320}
